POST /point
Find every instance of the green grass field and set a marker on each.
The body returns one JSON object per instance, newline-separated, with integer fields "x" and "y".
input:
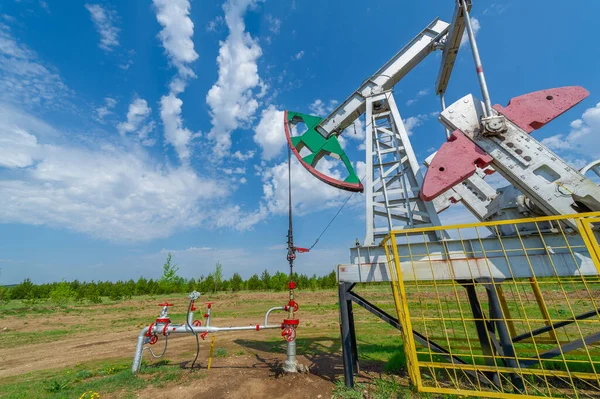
{"x": 43, "y": 326}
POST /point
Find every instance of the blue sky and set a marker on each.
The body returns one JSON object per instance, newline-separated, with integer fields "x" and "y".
{"x": 131, "y": 129}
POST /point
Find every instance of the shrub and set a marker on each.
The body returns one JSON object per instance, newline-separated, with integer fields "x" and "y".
{"x": 62, "y": 293}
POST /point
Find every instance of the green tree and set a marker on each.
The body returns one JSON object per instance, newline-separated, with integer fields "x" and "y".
{"x": 92, "y": 293}
{"x": 23, "y": 290}
{"x": 236, "y": 283}
{"x": 265, "y": 279}
{"x": 254, "y": 283}
{"x": 218, "y": 276}
{"x": 169, "y": 277}
{"x": 313, "y": 284}
{"x": 208, "y": 284}
{"x": 62, "y": 293}
{"x": 279, "y": 281}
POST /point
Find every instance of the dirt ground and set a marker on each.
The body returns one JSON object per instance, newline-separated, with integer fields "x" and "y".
{"x": 251, "y": 368}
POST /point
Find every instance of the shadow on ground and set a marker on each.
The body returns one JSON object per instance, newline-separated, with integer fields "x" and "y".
{"x": 323, "y": 354}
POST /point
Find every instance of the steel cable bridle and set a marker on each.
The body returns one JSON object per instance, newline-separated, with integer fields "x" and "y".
{"x": 334, "y": 217}
{"x": 291, "y": 254}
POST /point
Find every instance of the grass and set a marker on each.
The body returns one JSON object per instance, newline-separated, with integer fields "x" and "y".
{"x": 317, "y": 338}
{"x": 74, "y": 382}
{"x": 221, "y": 352}
{"x": 379, "y": 345}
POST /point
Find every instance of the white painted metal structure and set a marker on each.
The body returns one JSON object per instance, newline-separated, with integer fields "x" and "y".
{"x": 525, "y": 162}
{"x": 393, "y": 180}
{"x": 385, "y": 78}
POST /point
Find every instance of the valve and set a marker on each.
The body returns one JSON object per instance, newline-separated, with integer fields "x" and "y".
{"x": 149, "y": 332}
{"x": 165, "y": 304}
{"x": 291, "y": 285}
{"x": 289, "y": 329}
{"x": 197, "y": 323}
{"x": 153, "y": 339}
{"x": 294, "y": 305}
{"x": 289, "y": 333}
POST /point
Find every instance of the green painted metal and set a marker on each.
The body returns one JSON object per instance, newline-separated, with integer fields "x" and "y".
{"x": 318, "y": 145}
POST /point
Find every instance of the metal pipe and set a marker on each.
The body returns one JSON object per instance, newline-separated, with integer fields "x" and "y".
{"x": 443, "y": 102}
{"x": 184, "y": 329}
{"x": 139, "y": 349}
{"x": 270, "y": 310}
{"x": 478, "y": 67}
{"x": 291, "y": 357}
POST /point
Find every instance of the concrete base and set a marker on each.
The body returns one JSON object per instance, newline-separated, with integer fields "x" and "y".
{"x": 294, "y": 367}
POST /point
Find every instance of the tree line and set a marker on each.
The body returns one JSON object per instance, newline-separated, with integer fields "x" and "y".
{"x": 169, "y": 283}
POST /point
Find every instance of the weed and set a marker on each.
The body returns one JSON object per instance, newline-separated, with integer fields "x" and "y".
{"x": 396, "y": 364}
{"x": 166, "y": 376}
{"x": 341, "y": 391}
{"x": 241, "y": 352}
{"x": 55, "y": 386}
{"x": 83, "y": 374}
{"x": 221, "y": 352}
{"x": 388, "y": 388}
{"x": 90, "y": 395}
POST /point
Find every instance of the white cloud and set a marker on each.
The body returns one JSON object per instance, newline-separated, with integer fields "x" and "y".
{"x": 137, "y": 121}
{"x": 175, "y": 133}
{"x": 215, "y": 24}
{"x": 356, "y": 131}
{"x": 45, "y": 6}
{"x": 138, "y": 112}
{"x": 176, "y": 34}
{"x": 412, "y": 122}
{"x": 234, "y": 171}
{"x": 495, "y": 9}
{"x": 274, "y": 24}
{"x": 476, "y": 27}
{"x": 104, "y": 20}
{"x": 104, "y": 191}
{"x": 106, "y": 109}
{"x": 299, "y": 55}
{"x": 23, "y": 78}
{"x": 243, "y": 156}
{"x": 18, "y": 148}
{"x": 320, "y": 108}
{"x": 234, "y": 217}
{"x": 583, "y": 136}
{"x": 269, "y": 133}
{"x": 176, "y": 37}
{"x": 232, "y": 99}
{"x": 308, "y": 193}
{"x": 420, "y": 93}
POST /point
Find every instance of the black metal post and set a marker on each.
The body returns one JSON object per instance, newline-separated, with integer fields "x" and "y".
{"x": 506, "y": 345}
{"x": 485, "y": 331}
{"x": 345, "y": 328}
{"x": 352, "y": 334}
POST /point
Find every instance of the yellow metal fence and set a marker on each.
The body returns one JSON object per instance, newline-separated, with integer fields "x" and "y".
{"x": 504, "y": 309}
